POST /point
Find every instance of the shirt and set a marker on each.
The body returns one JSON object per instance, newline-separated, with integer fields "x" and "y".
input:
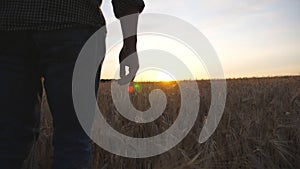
{"x": 58, "y": 14}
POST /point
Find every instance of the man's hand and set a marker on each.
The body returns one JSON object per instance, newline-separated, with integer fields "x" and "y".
{"x": 128, "y": 13}
{"x": 128, "y": 58}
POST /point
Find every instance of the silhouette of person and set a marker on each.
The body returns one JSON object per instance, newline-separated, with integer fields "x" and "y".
{"x": 43, "y": 39}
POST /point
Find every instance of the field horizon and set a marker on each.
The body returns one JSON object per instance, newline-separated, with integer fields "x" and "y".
{"x": 230, "y": 78}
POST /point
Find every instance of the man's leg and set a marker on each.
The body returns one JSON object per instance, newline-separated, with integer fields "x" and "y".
{"x": 19, "y": 103}
{"x": 59, "y": 51}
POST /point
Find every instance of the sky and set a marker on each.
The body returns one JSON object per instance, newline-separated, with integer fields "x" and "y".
{"x": 253, "y": 38}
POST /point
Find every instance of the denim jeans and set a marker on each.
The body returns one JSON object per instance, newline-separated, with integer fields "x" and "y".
{"x": 25, "y": 57}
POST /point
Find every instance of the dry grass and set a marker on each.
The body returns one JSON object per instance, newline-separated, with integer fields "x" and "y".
{"x": 259, "y": 129}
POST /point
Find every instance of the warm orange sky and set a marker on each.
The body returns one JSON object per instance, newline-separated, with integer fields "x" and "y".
{"x": 252, "y": 38}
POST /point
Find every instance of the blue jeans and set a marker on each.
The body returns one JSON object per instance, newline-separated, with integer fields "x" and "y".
{"x": 25, "y": 57}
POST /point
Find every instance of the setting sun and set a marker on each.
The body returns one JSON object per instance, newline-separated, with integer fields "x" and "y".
{"x": 163, "y": 77}
{"x": 154, "y": 75}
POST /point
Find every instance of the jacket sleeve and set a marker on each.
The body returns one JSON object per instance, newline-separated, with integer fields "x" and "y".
{"x": 121, "y": 6}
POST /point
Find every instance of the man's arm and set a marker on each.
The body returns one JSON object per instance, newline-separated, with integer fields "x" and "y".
{"x": 128, "y": 12}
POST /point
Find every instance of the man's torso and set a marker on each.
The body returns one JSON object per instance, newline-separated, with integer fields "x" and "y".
{"x": 49, "y": 14}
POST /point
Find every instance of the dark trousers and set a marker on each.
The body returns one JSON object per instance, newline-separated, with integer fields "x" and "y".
{"x": 25, "y": 57}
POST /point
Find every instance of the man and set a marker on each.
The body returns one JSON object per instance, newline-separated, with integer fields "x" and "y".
{"x": 43, "y": 39}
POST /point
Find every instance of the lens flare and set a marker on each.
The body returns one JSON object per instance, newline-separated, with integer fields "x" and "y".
{"x": 130, "y": 89}
{"x": 136, "y": 87}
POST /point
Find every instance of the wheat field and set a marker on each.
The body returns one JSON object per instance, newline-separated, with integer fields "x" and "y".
{"x": 260, "y": 128}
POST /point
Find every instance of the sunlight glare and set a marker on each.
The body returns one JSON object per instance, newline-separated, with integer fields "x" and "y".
{"x": 163, "y": 77}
